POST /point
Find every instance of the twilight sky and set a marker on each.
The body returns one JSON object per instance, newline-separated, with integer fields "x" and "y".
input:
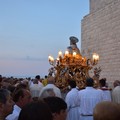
{"x": 30, "y": 30}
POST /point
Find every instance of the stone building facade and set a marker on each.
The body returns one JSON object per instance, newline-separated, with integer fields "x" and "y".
{"x": 101, "y": 34}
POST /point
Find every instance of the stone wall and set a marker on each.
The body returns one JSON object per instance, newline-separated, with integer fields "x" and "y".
{"x": 101, "y": 34}
{"x": 98, "y": 4}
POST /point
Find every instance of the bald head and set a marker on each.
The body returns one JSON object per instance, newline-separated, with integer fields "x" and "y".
{"x": 51, "y": 79}
{"x": 106, "y": 111}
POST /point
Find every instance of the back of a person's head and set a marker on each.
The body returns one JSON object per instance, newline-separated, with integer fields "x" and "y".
{"x": 116, "y": 83}
{"x": 11, "y": 88}
{"x": 89, "y": 82}
{"x": 102, "y": 82}
{"x": 0, "y": 78}
{"x": 4, "y": 93}
{"x": 3, "y": 99}
{"x": 72, "y": 83}
{"x": 56, "y": 104}
{"x": 106, "y": 111}
{"x": 37, "y": 77}
{"x": 36, "y": 81}
{"x": 17, "y": 94}
{"x": 36, "y": 110}
{"x": 21, "y": 85}
{"x": 46, "y": 93}
{"x": 46, "y": 76}
{"x": 51, "y": 80}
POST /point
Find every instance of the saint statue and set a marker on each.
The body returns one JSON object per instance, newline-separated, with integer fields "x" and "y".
{"x": 73, "y": 46}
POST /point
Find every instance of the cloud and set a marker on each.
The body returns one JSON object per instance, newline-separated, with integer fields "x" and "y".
{"x": 27, "y": 58}
{"x": 35, "y": 59}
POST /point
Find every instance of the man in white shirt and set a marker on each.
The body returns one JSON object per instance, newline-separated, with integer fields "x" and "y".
{"x": 35, "y": 88}
{"x": 88, "y": 99}
{"x": 21, "y": 97}
{"x": 116, "y": 92}
{"x": 72, "y": 101}
{"x": 105, "y": 89}
{"x": 51, "y": 81}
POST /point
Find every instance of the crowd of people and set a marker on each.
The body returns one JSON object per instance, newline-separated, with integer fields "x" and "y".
{"x": 36, "y": 99}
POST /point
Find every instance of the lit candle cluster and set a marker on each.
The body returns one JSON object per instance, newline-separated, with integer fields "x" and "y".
{"x": 74, "y": 57}
{"x": 60, "y": 56}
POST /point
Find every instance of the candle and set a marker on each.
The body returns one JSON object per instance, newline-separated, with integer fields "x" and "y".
{"x": 51, "y": 59}
{"x": 59, "y": 54}
{"x": 66, "y": 53}
{"x": 74, "y": 54}
{"x": 95, "y": 58}
{"x": 58, "y": 61}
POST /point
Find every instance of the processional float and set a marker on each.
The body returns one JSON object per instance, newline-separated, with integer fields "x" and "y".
{"x": 71, "y": 65}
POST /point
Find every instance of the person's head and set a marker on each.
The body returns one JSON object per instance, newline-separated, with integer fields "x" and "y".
{"x": 73, "y": 40}
{"x": 102, "y": 82}
{"x": 106, "y": 111}
{"x": 58, "y": 107}
{"x": 36, "y": 110}
{"x": 21, "y": 85}
{"x": 51, "y": 80}
{"x": 116, "y": 83}
{"x": 72, "y": 83}
{"x": 89, "y": 82}
{"x": 46, "y": 76}
{"x": 25, "y": 82}
{"x": 21, "y": 97}
{"x": 0, "y": 78}
{"x": 37, "y": 77}
{"x": 6, "y": 103}
{"x": 11, "y": 88}
{"x": 46, "y": 93}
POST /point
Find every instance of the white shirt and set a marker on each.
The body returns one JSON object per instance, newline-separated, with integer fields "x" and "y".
{"x": 35, "y": 89}
{"x": 73, "y": 105}
{"x": 116, "y": 94}
{"x": 15, "y": 113}
{"x": 89, "y": 97}
{"x": 106, "y": 93}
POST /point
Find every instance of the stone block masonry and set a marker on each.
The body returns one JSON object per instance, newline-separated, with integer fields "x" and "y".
{"x": 100, "y": 33}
